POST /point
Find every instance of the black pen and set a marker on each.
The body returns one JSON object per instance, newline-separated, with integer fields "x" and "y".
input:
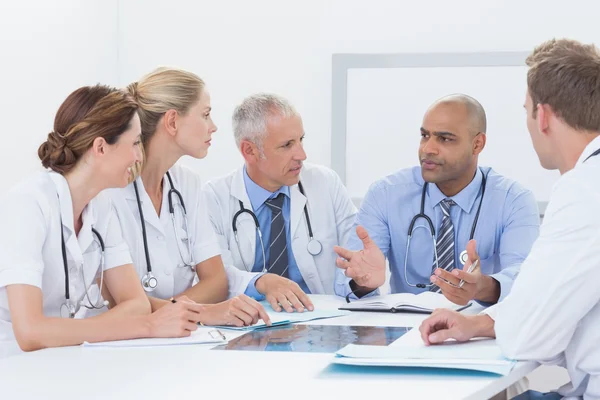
{"x": 199, "y": 323}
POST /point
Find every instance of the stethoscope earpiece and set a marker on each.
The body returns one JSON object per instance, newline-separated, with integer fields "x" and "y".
{"x": 69, "y": 309}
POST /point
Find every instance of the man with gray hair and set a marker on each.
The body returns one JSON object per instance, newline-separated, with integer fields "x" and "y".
{"x": 276, "y": 217}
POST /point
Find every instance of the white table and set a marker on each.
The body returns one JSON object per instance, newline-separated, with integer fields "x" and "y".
{"x": 200, "y": 373}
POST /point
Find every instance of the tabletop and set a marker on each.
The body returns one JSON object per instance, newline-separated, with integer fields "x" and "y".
{"x": 198, "y": 370}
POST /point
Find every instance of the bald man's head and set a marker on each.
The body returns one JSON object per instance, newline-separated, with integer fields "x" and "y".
{"x": 452, "y": 136}
{"x": 474, "y": 110}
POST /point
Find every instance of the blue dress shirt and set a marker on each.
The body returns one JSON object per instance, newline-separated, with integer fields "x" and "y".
{"x": 507, "y": 227}
{"x": 258, "y": 196}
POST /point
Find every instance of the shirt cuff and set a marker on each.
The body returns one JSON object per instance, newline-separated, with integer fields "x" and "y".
{"x": 506, "y": 283}
{"x": 352, "y": 296}
{"x": 491, "y": 311}
{"x": 251, "y": 290}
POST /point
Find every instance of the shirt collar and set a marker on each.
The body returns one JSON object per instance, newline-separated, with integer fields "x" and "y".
{"x": 464, "y": 199}
{"x": 64, "y": 200}
{"x": 259, "y": 195}
{"x": 589, "y": 149}
{"x": 66, "y": 204}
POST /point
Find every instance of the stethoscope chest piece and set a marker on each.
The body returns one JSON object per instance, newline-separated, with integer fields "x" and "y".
{"x": 314, "y": 247}
{"x": 463, "y": 257}
{"x": 149, "y": 282}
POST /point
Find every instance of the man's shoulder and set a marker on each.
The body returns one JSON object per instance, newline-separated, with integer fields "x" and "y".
{"x": 317, "y": 173}
{"x": 220, "y": 181}
{"x": 407, "y": 178}
{"x": 502, "y": 184}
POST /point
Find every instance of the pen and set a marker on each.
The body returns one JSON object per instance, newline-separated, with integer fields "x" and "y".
{"x": 471, "y": 269}
{"x": 199, "y": 323}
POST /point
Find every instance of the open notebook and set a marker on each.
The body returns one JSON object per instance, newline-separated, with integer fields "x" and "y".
{"x": 425, "y": 302}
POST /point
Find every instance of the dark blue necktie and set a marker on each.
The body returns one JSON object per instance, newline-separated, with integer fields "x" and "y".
{"x": 278, "y": 259}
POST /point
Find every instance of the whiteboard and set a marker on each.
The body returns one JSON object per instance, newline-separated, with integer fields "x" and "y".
{"x": 385, "y": 108}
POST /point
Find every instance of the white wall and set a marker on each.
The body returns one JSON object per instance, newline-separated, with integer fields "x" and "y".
{"x": 241, "y": 47}
{"x": 388, "y": 103}
{"x": 50, "y": 48}
{"x": 47, "y": 50}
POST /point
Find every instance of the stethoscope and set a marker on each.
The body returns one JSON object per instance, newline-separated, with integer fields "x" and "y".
{"x": 314, "y": 246}
{"x": 463, "y": 255}
{"x": 592, "y": 155}
{"x": 149, "y": 281}
{"x": 68, "y": 305}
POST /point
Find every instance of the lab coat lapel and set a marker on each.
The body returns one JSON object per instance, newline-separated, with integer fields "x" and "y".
{"x": 65, "y": 203}
{"x": 86, "y": 236}
{"x": 297, "y": 203}
{"x": 150, "y": 216}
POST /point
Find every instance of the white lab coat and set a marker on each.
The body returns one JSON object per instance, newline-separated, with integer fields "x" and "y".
{"x": 331, "y": 214}
{"x": 167, "y": 265}
{"x": 552, "y": 313}
{"x": 30, "y": 245}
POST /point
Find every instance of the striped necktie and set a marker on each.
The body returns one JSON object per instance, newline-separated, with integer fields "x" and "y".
{"x": 278, "y": 259}
{"x": 445, "y": 242}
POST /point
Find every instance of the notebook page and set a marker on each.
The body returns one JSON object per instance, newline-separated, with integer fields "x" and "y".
{"x": 429, "y": 301}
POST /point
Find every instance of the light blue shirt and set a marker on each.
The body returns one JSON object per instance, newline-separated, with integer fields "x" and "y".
{"x": 258, "y": 196}
{"x": 507, "y": 227}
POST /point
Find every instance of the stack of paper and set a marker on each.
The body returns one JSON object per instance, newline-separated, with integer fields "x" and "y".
{"x": 478, "y": 355}
{"x": 284, "y": 318}
{"x": 305, "y": 315}
{"x": 313, "y": 315}
{"x": 200, "y": 336}
{"x": 276, "y": 320}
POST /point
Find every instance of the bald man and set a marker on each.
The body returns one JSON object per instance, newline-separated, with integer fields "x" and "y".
{"x": 462, "y": 208}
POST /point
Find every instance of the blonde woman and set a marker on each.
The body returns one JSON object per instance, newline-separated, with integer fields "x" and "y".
{"x": 162, "y": 212}
{"x": 57, "y": 236}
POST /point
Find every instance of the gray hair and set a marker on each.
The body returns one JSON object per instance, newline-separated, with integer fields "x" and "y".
{"x": 250, "y": 117}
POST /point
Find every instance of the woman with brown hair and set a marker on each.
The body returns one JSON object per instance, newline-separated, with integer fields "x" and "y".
{"x": 59, "y": 236}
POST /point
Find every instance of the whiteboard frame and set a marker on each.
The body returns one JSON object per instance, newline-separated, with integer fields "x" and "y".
{"x": 341, "y": 63}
